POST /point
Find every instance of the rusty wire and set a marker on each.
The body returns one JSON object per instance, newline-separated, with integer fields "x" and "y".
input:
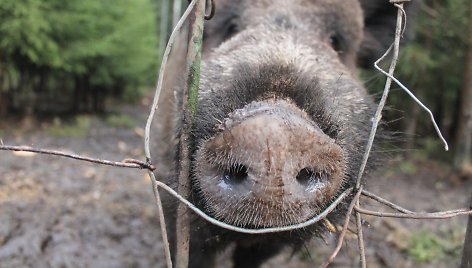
{"x": 126, "y": 163}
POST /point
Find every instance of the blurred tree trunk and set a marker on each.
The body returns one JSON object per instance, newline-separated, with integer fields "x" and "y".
{"x": 463, "y": 141}
{"x": 412, "y": 124}
{"x": 164, "y": 25}
{"x": 4, "y": 103}
{"x": 467, "y": 252}
{"x": 440, "y": 103}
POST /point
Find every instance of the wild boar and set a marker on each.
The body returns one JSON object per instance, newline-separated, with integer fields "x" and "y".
{"x": 282, "y": 119}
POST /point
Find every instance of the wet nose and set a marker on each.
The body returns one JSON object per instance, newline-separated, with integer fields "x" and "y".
{"x": 276, "y": 155}
{"x": 279, "y": 152}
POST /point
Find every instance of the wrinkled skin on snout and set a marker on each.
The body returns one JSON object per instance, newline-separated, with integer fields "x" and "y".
{"x": 282, "y": 119}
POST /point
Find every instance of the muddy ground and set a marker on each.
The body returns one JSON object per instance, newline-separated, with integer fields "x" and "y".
{"x": 57, "y": 212}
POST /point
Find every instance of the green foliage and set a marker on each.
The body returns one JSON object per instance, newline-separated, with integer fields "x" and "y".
{"x": 116, "y": 34}
{"x": 77, "y": 46}
{"x": 432, "y": 66}
{"x": 26, "y": 32}
{"x": 431, "y": 145}
{"x": 434, "y": 62}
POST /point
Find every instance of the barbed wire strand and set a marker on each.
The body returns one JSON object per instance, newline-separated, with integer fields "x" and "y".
{"x": 126, "y": 163}
{"x": 147, "y": 134}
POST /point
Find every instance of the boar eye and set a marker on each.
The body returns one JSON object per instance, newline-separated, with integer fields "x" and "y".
{"x": 231, "y": 30}
{"x": 335, "y": 42}
{"x": 235, "y": 174}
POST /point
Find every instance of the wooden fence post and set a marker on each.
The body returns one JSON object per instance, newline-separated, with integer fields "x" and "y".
{"x": 467, "y": 253}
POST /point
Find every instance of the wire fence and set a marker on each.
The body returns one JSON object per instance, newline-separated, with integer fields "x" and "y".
{"x": 196, "y": 9}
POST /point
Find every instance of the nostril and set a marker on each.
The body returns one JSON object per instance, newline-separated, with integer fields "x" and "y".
{"x": 235, "y": 174}
{"x": 308, "y": 176}
{"x": 305, "y": 175}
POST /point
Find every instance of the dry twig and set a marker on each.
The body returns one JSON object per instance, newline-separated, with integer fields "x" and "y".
{"x": 385, "y": 202}
{"x": 417, "y": 215}
{"x": 360, "y": 236}
{"x": 344, "y": 230}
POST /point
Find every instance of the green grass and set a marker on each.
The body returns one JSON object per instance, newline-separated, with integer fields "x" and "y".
{"x": 408, "y": 167}
{"x": 426, "y": 247}
{"x": 79, "y": 128}
{"x": 120, "y": 121}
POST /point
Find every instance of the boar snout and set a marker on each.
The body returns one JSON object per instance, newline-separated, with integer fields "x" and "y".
{"x": 270, "y": 165}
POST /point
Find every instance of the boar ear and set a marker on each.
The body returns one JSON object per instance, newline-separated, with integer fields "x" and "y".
{"x": 380, "y": 18}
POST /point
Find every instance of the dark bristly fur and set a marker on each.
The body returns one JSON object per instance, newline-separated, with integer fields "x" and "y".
{"x": 257, "y": 82}
{"x": 297, "y": 59}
